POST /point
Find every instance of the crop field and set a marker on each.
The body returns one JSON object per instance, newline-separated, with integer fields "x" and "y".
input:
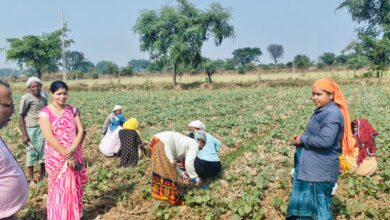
{"x": 255, "y": 126}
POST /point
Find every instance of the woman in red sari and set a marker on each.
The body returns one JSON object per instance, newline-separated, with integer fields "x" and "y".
{"x": 63, "y": 132}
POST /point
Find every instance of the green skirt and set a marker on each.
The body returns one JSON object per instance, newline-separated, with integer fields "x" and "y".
{"x": 309, "y": 200}
{"x": 35, "y": 151}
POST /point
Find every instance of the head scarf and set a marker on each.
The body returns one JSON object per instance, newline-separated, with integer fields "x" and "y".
{"x": 200, "y": 135}
{"x": 329, "y": 85}
{"x": 131, "y": 124}
{"x": 116, "y": 107}
{"x": 197, "y": 124}
{"x": 33, "y": 79}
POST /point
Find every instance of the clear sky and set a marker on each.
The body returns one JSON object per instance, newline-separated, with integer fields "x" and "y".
{"x": 101, "y": 29}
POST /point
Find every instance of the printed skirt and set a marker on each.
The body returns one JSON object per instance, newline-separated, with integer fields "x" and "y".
{"x": 165, "y": 179}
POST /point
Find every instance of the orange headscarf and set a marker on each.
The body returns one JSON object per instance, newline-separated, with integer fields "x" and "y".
{"x": 328, "y": 85}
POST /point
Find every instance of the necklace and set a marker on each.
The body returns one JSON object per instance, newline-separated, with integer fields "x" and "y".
{"x": 59, "y": 108}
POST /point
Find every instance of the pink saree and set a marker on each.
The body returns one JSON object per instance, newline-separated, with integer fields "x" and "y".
{"x": 65, "y": 184}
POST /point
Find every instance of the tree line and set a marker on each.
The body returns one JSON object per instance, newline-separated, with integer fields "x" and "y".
{"x": 174, "y": 35}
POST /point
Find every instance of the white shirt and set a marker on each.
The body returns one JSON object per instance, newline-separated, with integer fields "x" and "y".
{"x": 177, "y": 147}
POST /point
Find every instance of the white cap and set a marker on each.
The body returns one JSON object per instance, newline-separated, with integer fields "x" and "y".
{"x": 117, "y": 107}
{"x": 197, "y": 124}
{"x": 33, "y": 79}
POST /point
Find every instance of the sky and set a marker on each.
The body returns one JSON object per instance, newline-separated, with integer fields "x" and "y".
{"x": 102, "y": 30}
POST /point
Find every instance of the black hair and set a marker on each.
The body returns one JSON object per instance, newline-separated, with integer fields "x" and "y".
{"x": 58, "y": 84}
{"x": 5, "y": 84}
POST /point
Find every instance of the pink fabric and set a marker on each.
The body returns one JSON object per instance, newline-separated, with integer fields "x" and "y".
{"x": 12, "y": 179}
{"x": 64, "y": 201}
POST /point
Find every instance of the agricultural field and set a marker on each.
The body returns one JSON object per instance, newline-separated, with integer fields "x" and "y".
{"x": 255, "y": 125}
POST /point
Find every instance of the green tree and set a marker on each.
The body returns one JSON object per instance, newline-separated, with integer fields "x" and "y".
{"x": 73, "y": 60}
{"x": 229, "y": 64}
{"x": 139, "y": 65}
{"x": 276, "y": 51}
{"x": 39, "y": 52}
{"x": 175, "y": 35}
{"x": 155, "y": 66}
{"x": 302, "y": 61}
{"x": 328, "y": 58}
{"x": 246, "y": 55}
{"x": 374, "y": 36}
{"x": 341, "y": 59}
{"x": 106, "y": 67}
{"x": 210, "y": 67}
{"x": 356, "y": 62}
{"x": 377, "y": 51}
{"x": 374, "y": 14}
{"x": 86, "y": 66}
{"x": 128, "y": 70}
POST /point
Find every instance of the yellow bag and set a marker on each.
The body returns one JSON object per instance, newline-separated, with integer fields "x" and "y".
{"x": 367, "y": 167}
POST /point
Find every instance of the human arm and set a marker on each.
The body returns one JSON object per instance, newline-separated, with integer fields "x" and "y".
{"x": 217, "y": 143}
{"x": 22, "y": 124}
{"x": 23, "y": 129}
{"x": 189, "y": 164}
{"x": 107, "y": 123}
{"x": 141, "y": 146}
{"x": 325, "y": 139}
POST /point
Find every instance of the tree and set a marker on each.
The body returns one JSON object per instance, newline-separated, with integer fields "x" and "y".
{"x": 139, "y": 65}
{"x": 73, "y": 60}
{"x": 106, "y": 67}
{"x": 39, "y": 52}
{"x": 302, "y": 61}
{"x": 175, "y": 35}
{"x": 86, "y": 66}
{"x": 377, "y": 51}
{"x": 374, "y": 37}
{"x": 128, "y": 70}
{"x": 229, "y": 64}
{"x": 246, "y": 55}
{"x": 276, "y": 51}
{"x": 328, "y": 58}
{"x": 373, "y": 13}
{"x": 356, "y": 62}
{"x": 210, "y": 67}
{"x": 341, "y": 59}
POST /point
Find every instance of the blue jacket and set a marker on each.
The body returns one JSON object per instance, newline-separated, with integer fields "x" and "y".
{"x": 319, "y": 159}
{"x": 210, "y": 150}
{"x": 118, "y": 119}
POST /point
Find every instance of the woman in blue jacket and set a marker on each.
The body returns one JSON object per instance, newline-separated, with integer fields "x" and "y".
{"x": 316, "y": 160}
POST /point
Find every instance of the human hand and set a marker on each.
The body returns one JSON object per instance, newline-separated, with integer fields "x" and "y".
{"x": 69, "y": 152}
{"x": 296, "y": 140}
{"x": 186, "y": 180}
{"x": 71, "y": 163}
{"x": 199, "y": 182}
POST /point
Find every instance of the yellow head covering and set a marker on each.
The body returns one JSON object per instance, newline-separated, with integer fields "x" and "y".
{"x": 328, "y": 85}
{"x": 131, "y": 124}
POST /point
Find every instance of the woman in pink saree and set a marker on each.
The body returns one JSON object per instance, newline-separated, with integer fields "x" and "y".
{"x": 63, "y": 132}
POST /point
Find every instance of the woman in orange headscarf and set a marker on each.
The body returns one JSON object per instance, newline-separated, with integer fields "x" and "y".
{"x": 316, "y": 160}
